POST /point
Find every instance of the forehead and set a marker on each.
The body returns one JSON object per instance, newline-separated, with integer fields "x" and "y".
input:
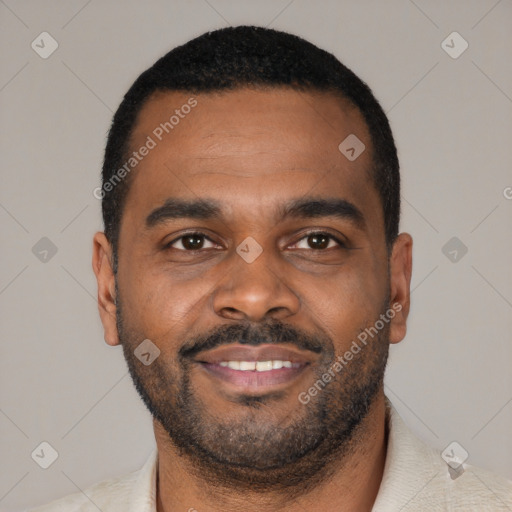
{"x": 249, "y": 148}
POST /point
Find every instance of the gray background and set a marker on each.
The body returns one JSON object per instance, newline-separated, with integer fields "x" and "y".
{"x": 450, "y": 378}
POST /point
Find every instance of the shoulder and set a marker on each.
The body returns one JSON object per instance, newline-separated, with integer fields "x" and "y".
{"x": 133, "y": 491}
{"x": 480, "y": 489}
{"x": 416, "y": 478}
{"x": 109, "y": 495}
{"x": 472, "y": 489}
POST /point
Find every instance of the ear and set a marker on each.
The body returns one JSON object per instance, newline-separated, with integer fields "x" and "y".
{"x": 102, "y": 266}
{"x": 400, "y": 282}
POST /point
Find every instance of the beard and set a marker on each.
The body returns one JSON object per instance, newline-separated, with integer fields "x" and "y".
{"x": 253, "y": 449}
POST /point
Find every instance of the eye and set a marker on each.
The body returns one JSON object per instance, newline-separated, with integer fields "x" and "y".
{"x": 191, "y": 242}
{"x": 318, "y": 240}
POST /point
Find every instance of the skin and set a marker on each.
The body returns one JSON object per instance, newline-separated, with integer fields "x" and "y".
{"x": 252, "y": 151}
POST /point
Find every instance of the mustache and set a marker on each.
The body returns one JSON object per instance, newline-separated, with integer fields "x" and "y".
{"x": 272, "y": 333}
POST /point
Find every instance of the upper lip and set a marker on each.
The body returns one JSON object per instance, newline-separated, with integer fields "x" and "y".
{"x": 266, "y": 352}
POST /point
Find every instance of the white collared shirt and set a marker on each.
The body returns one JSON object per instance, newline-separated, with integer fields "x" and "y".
{"x": 415, "y": 479}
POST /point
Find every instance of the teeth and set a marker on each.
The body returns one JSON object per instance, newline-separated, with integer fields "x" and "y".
{"x": 247, "y": 365}
{"x": 263, "y": 366}
{"x": 259, "y": 366}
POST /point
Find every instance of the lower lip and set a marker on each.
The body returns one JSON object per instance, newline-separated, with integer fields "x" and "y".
{"x": 253, "y": 380}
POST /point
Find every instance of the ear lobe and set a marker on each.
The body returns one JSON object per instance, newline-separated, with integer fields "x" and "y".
{"x": 102, "y": 266}
{"x": 400, "y": 282}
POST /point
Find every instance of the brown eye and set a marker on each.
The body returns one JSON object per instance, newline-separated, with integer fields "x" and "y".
{"x": 318, "y": 241}
{"x": 191, "y": 242}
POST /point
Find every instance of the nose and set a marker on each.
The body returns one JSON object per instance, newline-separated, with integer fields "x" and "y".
{"x": 255, "y": 291}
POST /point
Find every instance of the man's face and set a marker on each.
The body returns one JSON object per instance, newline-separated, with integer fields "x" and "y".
{"x": 242, "y": 333}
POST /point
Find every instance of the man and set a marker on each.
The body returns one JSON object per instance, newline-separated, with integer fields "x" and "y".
{"x": 252, "y": 270}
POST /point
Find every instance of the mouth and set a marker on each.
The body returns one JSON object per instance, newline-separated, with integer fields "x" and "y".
{"x": 250, "y": 370}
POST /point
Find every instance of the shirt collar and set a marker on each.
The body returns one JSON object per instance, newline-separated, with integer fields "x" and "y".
{"x": 143, "y": 495}
{"x": 410, "y": 465}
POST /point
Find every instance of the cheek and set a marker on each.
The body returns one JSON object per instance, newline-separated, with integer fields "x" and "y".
{"x": 346, "y": 303}
{"x": 162, "y": 304}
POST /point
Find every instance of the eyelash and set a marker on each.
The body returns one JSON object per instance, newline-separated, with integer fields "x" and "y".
{"x": 306, "y": 235}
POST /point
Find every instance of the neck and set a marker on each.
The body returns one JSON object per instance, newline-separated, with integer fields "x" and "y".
{"x": 351, "y": 483}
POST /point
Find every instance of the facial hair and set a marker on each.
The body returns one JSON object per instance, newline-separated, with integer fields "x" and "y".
{"x": 246, "y": 451}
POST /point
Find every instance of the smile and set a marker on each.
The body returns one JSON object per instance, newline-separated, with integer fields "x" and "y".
{"x": 258, "y": 366}
{"x": 258, "y": 369}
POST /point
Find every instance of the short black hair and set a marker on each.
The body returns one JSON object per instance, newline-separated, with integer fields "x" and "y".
{"x": 248, "y": 56}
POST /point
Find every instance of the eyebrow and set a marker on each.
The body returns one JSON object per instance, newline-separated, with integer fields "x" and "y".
{"x": 210, "y": 209}
{"x": 174, "y": 208}
{"x": 310, "y": 208}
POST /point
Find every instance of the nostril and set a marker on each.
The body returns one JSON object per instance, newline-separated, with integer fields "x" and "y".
{"x": 231, "y": 312}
